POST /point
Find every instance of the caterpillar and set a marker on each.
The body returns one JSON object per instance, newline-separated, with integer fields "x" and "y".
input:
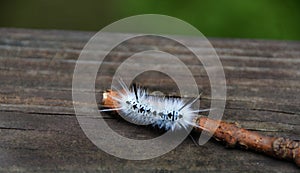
{"x": 141, "y": 108}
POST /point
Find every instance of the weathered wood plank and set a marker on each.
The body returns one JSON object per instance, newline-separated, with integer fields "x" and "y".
{"x": 39, "y": 130}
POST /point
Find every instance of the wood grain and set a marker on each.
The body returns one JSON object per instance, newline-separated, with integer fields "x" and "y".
{"x": 39, "y": 130}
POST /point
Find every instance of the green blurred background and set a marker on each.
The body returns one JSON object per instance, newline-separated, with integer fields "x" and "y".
{"x": 263, "y": 19}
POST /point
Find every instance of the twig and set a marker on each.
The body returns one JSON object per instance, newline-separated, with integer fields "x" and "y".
{"x": 234, "y": 136}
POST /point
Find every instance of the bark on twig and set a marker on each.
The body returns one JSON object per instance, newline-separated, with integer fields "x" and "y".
{"x": 234, "y": 136}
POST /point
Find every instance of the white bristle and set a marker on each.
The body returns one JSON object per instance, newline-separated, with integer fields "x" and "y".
{"x": 166, "y": 113}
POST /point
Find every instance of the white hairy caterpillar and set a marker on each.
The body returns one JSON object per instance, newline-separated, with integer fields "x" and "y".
{"x": 141, "y": 108}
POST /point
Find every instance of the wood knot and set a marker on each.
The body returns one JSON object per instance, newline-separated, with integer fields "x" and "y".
{"x": 287, "y": 149}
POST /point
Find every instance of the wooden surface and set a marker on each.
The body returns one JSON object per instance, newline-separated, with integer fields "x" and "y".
{"x": 39, "y": 130}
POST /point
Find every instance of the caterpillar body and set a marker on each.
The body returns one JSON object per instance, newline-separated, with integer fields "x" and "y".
{"x": 141, "y": 108}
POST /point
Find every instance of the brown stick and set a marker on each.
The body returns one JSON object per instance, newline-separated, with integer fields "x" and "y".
{"x": 234, "y": 136}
